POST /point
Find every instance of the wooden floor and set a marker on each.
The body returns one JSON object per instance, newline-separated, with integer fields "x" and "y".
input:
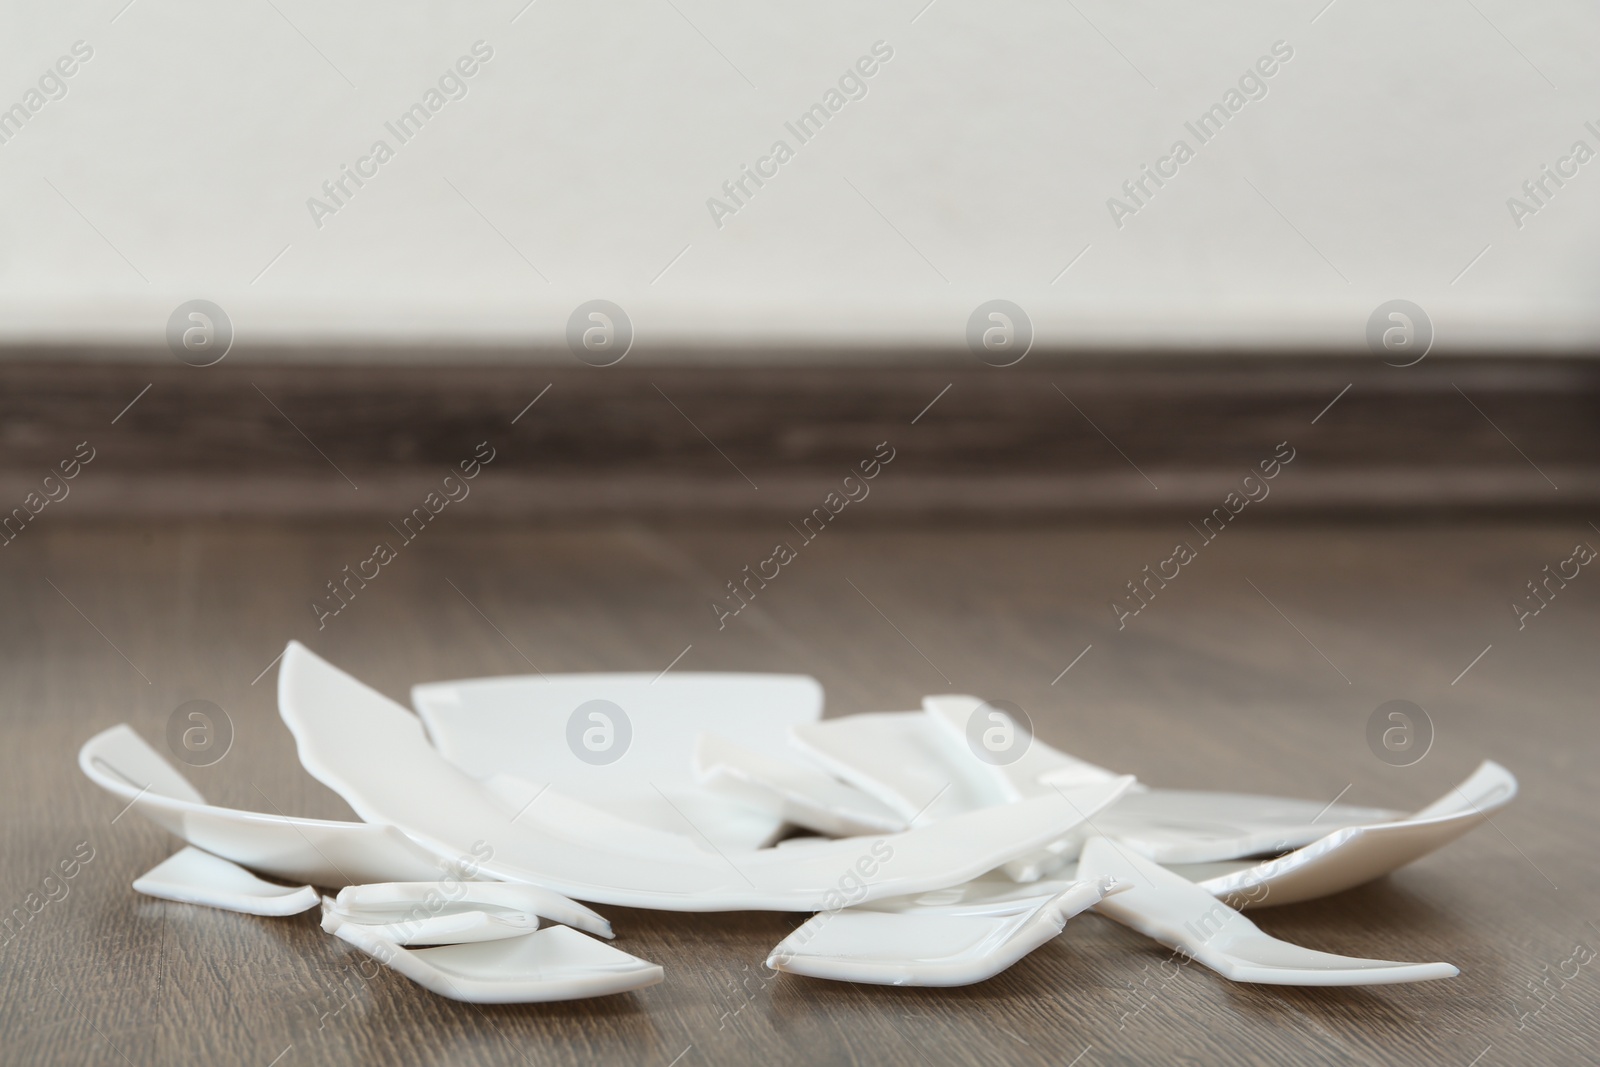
{"x": 1256, "y": 669}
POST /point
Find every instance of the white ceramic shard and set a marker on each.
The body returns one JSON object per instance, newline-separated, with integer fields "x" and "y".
{"x": 1357, "y": 854}
{"x": 977, "y": 735}
{"x": 549, "y": 808}
{"x": 724, "y": 823}
{"x": 191, "y": 876}
{"x": 373, "y": 753}
{"x": 555, "y": 963}
{"x": 525, "y": 726}
{"x": 920, "y": 767}
{"x": 790, "y": 792}
{"x": 992, "y": 890}
{"x": 1181, "y": 915}
{"x": 802, "y": 841}
{"x": 1024, "y": 776}
{"x": 317, "y": 851}
{"x": 1199, "y": 826}
{"x": 906, "y": 761}
{"x": 401, "y": 902}
{"x": 949, "y": 944}
{"x": 900, "y": 759}
{"x": 454, "y": 928}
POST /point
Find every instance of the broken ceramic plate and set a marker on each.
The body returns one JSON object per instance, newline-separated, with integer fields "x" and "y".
{"x": 996, "y": 731}
{"x": 988, "y": 890}
{"x": 790, "y": 792}
{"x": 622, "y": 742}
{"x": 455, "y": 928}
{"x": 403, "y": 905}
{"x": 373, "y": 753}
{"x": 988, "y": 743}
{"x": 1357, "y": 854}
{"x": 1181, "y": 915}
{"x": 923, "y": 770}
{"x": 1200, "y": 826}
{"x": 191, "y": 876}
{"x": 555, "y": 963}
{"x": 909, "y": 943}
{"x": 902, "y": 760}
{"x": 1166, "y": 825}
{"x": 910, "y": 761}
{"x": 549, "y": 808}
{"x": 316, "y": 851}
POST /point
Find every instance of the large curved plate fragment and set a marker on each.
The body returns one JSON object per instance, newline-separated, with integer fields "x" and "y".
{"x": 374, "y": 754}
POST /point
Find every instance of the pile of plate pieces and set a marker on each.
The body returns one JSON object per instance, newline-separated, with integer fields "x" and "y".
{"x": 928, "y": 862}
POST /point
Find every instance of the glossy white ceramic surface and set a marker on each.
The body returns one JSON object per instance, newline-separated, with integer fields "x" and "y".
{"x": 1023, "y": 776}
{"x": 903, "y": 760}
{"x": 401, "y": 902}
{"x": 555, "y": 963}
{"x": 922, "y": 944}
{"x": 1181, "y": 915}
{"x": 318, "y": 851}
{"x": 790, "y": 791}
{"x": 191, "y": 876}
{"x": 523, "y": 726}
{"x": 926, "y": 763}
{"x": 1357, "y": 854}
{"x": 452, "y": 928}
{"x": 373, "y": 753}
{"x": 1200, "y": 826}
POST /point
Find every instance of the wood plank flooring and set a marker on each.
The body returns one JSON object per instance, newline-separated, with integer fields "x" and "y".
{"x": 1256, "y": 669}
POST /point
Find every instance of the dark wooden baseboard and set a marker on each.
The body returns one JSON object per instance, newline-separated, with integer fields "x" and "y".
{"x": 1049, "y": 436}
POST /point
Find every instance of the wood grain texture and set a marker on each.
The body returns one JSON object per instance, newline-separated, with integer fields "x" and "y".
{"x": 1050, "y": 436}
{"x": 1209, "y": 686}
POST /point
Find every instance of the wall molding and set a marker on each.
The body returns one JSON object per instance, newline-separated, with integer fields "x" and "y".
{"x": 1090, "y": 435}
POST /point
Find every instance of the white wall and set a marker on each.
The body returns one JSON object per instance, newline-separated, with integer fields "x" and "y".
{"x": 979, "y": 163}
